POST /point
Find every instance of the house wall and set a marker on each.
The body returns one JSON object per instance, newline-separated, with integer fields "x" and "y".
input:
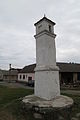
{"x": 6, "y": 77}
{"x": 10, "y": 77}
{"x": 63, "y": 77}
{"x": 21, "y": 77}
{"x": 1, "y": 75}
{"x": 13, "y": 77}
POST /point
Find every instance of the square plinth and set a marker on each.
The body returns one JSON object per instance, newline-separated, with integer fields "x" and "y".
{"x": 47, "y": 84}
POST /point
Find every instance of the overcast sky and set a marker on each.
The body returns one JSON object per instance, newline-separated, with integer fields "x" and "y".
{"x": 17, "y": 18}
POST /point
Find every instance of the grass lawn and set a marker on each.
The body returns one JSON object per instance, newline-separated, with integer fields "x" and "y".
{"x": 76, "y": 106}
{"x": 10, "y": 102}
{"x": 11, "y": 106}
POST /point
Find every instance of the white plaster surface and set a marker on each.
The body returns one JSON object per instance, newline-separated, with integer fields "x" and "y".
{"x": 45, "y": 50}
{"x": 46, "y": 72}
{"x": 26, "y": 77}
{"x": 47, "y": 84}
{"x": 44, "y": 25}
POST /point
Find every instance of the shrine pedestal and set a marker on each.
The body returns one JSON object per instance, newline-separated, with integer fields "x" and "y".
{"x": 58, "y": 108}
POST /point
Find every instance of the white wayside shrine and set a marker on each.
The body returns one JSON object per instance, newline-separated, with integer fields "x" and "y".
{"x": 46, "y": 72}
{"x": 46, "y": 103}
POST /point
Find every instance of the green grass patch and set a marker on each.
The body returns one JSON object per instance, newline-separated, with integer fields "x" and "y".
{"x": 8, "y": 95}
{"x": 76, "y": 105}
{"x": 10, "y": 102}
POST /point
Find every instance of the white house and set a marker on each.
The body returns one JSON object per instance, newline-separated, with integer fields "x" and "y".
{"x": 27, "y": 73}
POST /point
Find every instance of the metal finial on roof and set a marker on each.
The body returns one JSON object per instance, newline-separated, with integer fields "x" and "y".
{"x": 44, "y": 15}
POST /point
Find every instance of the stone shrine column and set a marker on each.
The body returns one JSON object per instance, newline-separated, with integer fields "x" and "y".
{"x": 46, "y": 72}
{"x": 47, "y": 103}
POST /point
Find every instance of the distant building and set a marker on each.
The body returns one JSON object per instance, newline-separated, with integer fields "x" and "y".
{"x": 11, "y": 75}
{"x": 69, "y": 73}
{"x": 27, "y": 73}
{"x": 1, "y": 75}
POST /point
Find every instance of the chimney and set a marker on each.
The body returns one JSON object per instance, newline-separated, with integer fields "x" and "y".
{"x": 9, "y": 66}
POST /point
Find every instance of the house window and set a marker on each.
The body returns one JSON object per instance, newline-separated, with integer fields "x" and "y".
{"x": 29, "y": 78}
{"x": 49, "y": 28}
{"x": 23, "y": 76}
{"x": 20, "y": 76}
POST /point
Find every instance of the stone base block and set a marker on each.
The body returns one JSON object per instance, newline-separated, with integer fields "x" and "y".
{"x": 55, "y": 109}
{"x": 47, "y": 84}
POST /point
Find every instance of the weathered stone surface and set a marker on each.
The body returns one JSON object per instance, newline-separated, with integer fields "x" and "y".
{"x": 54, "y": 109}
{"x": 61, "y": 118}
{"x": 74, "y": 118}
{"x": 78, "y": 115}
{"x": 46, "y": 72}
{"x": 58, "y": 102}
{"x": 37, "y": 115}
